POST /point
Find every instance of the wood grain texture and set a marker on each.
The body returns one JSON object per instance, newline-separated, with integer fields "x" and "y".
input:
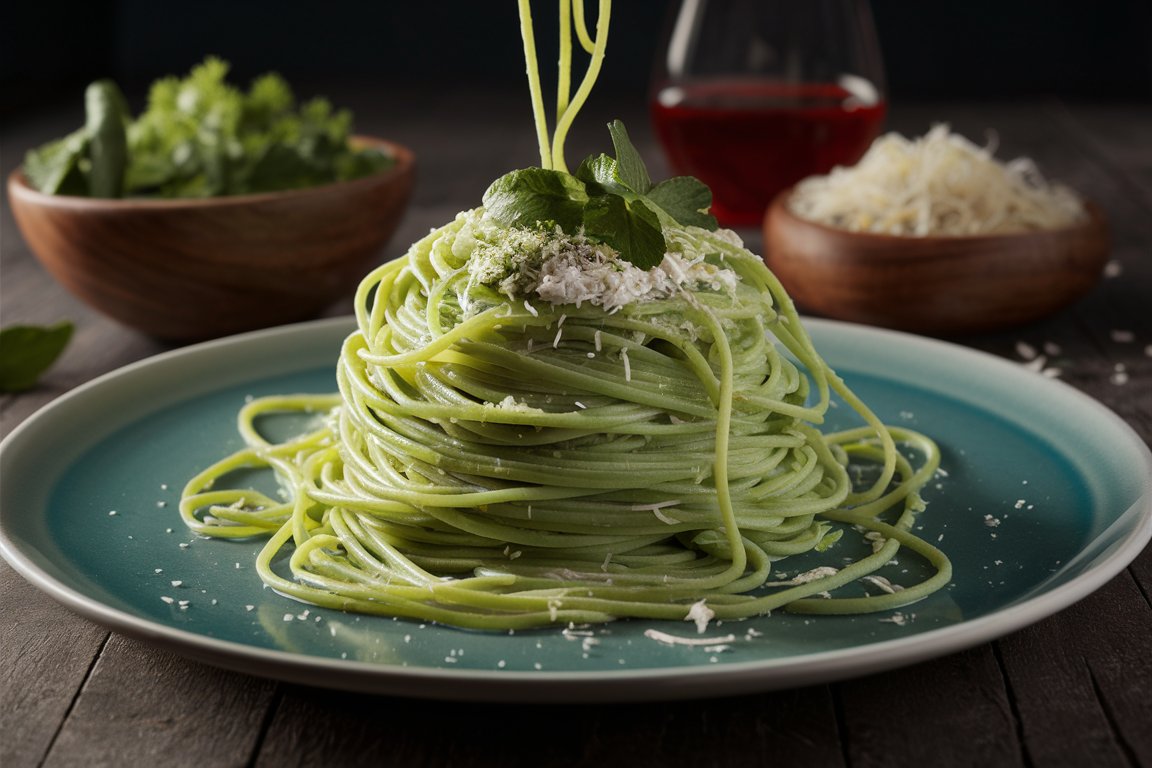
{"x": 1080, "y": 680}
{"x": 142, "y": 706}
{"x": 45, "y": 656}
{"x": 794, "y": 728}
{"x": 1069, "y": 688}
{"x": 202, "y": 268}
{"x": 933, "y": 284}
{"x": 952, "y": 712}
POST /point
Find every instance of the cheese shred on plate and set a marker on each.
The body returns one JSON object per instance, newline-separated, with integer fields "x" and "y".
{"x": 938, "y": 184}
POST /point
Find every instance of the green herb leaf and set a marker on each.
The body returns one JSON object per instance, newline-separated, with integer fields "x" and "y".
{"x": 601, "y": 174}
{"x": 686, "y": 199}
{"x": 533, "y": 196}
{"x": 107, "y": 119}
{"x": 26, "y": 351}
{"x": 611, "y": 198}
{"x": 202, "y": 137}
{"x": 629, "y": 226}
{"x": 630, "y": 165}
{"x": 54, "y": 168}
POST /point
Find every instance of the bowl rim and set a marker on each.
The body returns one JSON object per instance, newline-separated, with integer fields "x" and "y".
{"x": 1095, "y": 219}
{"x": 404, "y": 157}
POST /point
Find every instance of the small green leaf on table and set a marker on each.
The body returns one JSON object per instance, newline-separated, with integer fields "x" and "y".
{"x": 26, "y": 351}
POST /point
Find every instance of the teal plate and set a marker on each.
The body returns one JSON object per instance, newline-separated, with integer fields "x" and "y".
{"x": 1045, "y": 495}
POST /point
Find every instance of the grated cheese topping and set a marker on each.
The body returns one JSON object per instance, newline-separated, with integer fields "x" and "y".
{"x": 560, "y": 268}
{"x": 938, "y": 184}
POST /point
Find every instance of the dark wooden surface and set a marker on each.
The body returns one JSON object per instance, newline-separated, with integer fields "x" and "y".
{"x": 1075, "y": 689}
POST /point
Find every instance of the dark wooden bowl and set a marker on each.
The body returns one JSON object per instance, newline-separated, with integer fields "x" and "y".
{"x": 934, "y": 285}
{"x": 201, "y": 268}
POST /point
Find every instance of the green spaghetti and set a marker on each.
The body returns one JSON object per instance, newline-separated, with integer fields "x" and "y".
{"x": 532, "y": 429}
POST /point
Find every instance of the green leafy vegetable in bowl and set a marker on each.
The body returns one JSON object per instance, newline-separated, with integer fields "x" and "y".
{"x": 202, "y": 137}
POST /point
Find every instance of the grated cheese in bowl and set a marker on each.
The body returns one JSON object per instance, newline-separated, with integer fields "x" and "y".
{"x": 938, "y": 184}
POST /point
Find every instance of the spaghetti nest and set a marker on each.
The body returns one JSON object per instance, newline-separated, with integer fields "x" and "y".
{"x": 646, "y": 448}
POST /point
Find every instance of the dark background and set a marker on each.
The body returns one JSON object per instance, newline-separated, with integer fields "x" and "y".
{"x": 933, "y": 49}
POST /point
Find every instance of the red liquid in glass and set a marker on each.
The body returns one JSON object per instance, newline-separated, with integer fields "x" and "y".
{"x": 750, "y": 141}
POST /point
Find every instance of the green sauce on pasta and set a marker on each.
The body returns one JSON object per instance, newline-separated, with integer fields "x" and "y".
{"x": 532, "y": 431}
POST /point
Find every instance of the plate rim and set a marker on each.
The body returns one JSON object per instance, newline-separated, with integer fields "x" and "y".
{"x": 655, "y": 684}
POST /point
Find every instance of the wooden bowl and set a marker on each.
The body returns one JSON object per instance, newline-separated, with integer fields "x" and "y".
{"x": 936, "y": 285}
{"x": 200, "y": 268}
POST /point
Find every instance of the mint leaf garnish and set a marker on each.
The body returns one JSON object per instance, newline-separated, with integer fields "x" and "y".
{"x": 602, "y": 175}
{"x": 631, "y": 166}
{"x": 533, "y": 196}
{"x": 629, "y": 226}
{"x": 26, "y": 351}
{"x": 611, "y": 198}
{"x": 686, "y": 199}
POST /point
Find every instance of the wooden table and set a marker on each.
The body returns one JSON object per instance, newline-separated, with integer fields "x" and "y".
{"x": 1075, "y": 689}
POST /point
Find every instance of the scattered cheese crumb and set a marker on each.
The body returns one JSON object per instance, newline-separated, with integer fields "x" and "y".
{"x": 1121, "y": 336}
{"x": 1025, "y": 350}
{"x": 899, "y": 619}
{"x": 877, "y": 540}
{"x": 668, "y": 639}
{"x": 822, "y": 572}
{"x": 883, "y": 583}
{"x": 701, "y": 614}
{"x": 510, "y": 404}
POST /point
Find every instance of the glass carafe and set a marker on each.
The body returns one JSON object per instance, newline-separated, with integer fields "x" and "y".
{"x": 750, "y": 96}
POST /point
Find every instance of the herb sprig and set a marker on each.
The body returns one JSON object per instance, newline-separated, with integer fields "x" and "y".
{"x": 612, "y": 199}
